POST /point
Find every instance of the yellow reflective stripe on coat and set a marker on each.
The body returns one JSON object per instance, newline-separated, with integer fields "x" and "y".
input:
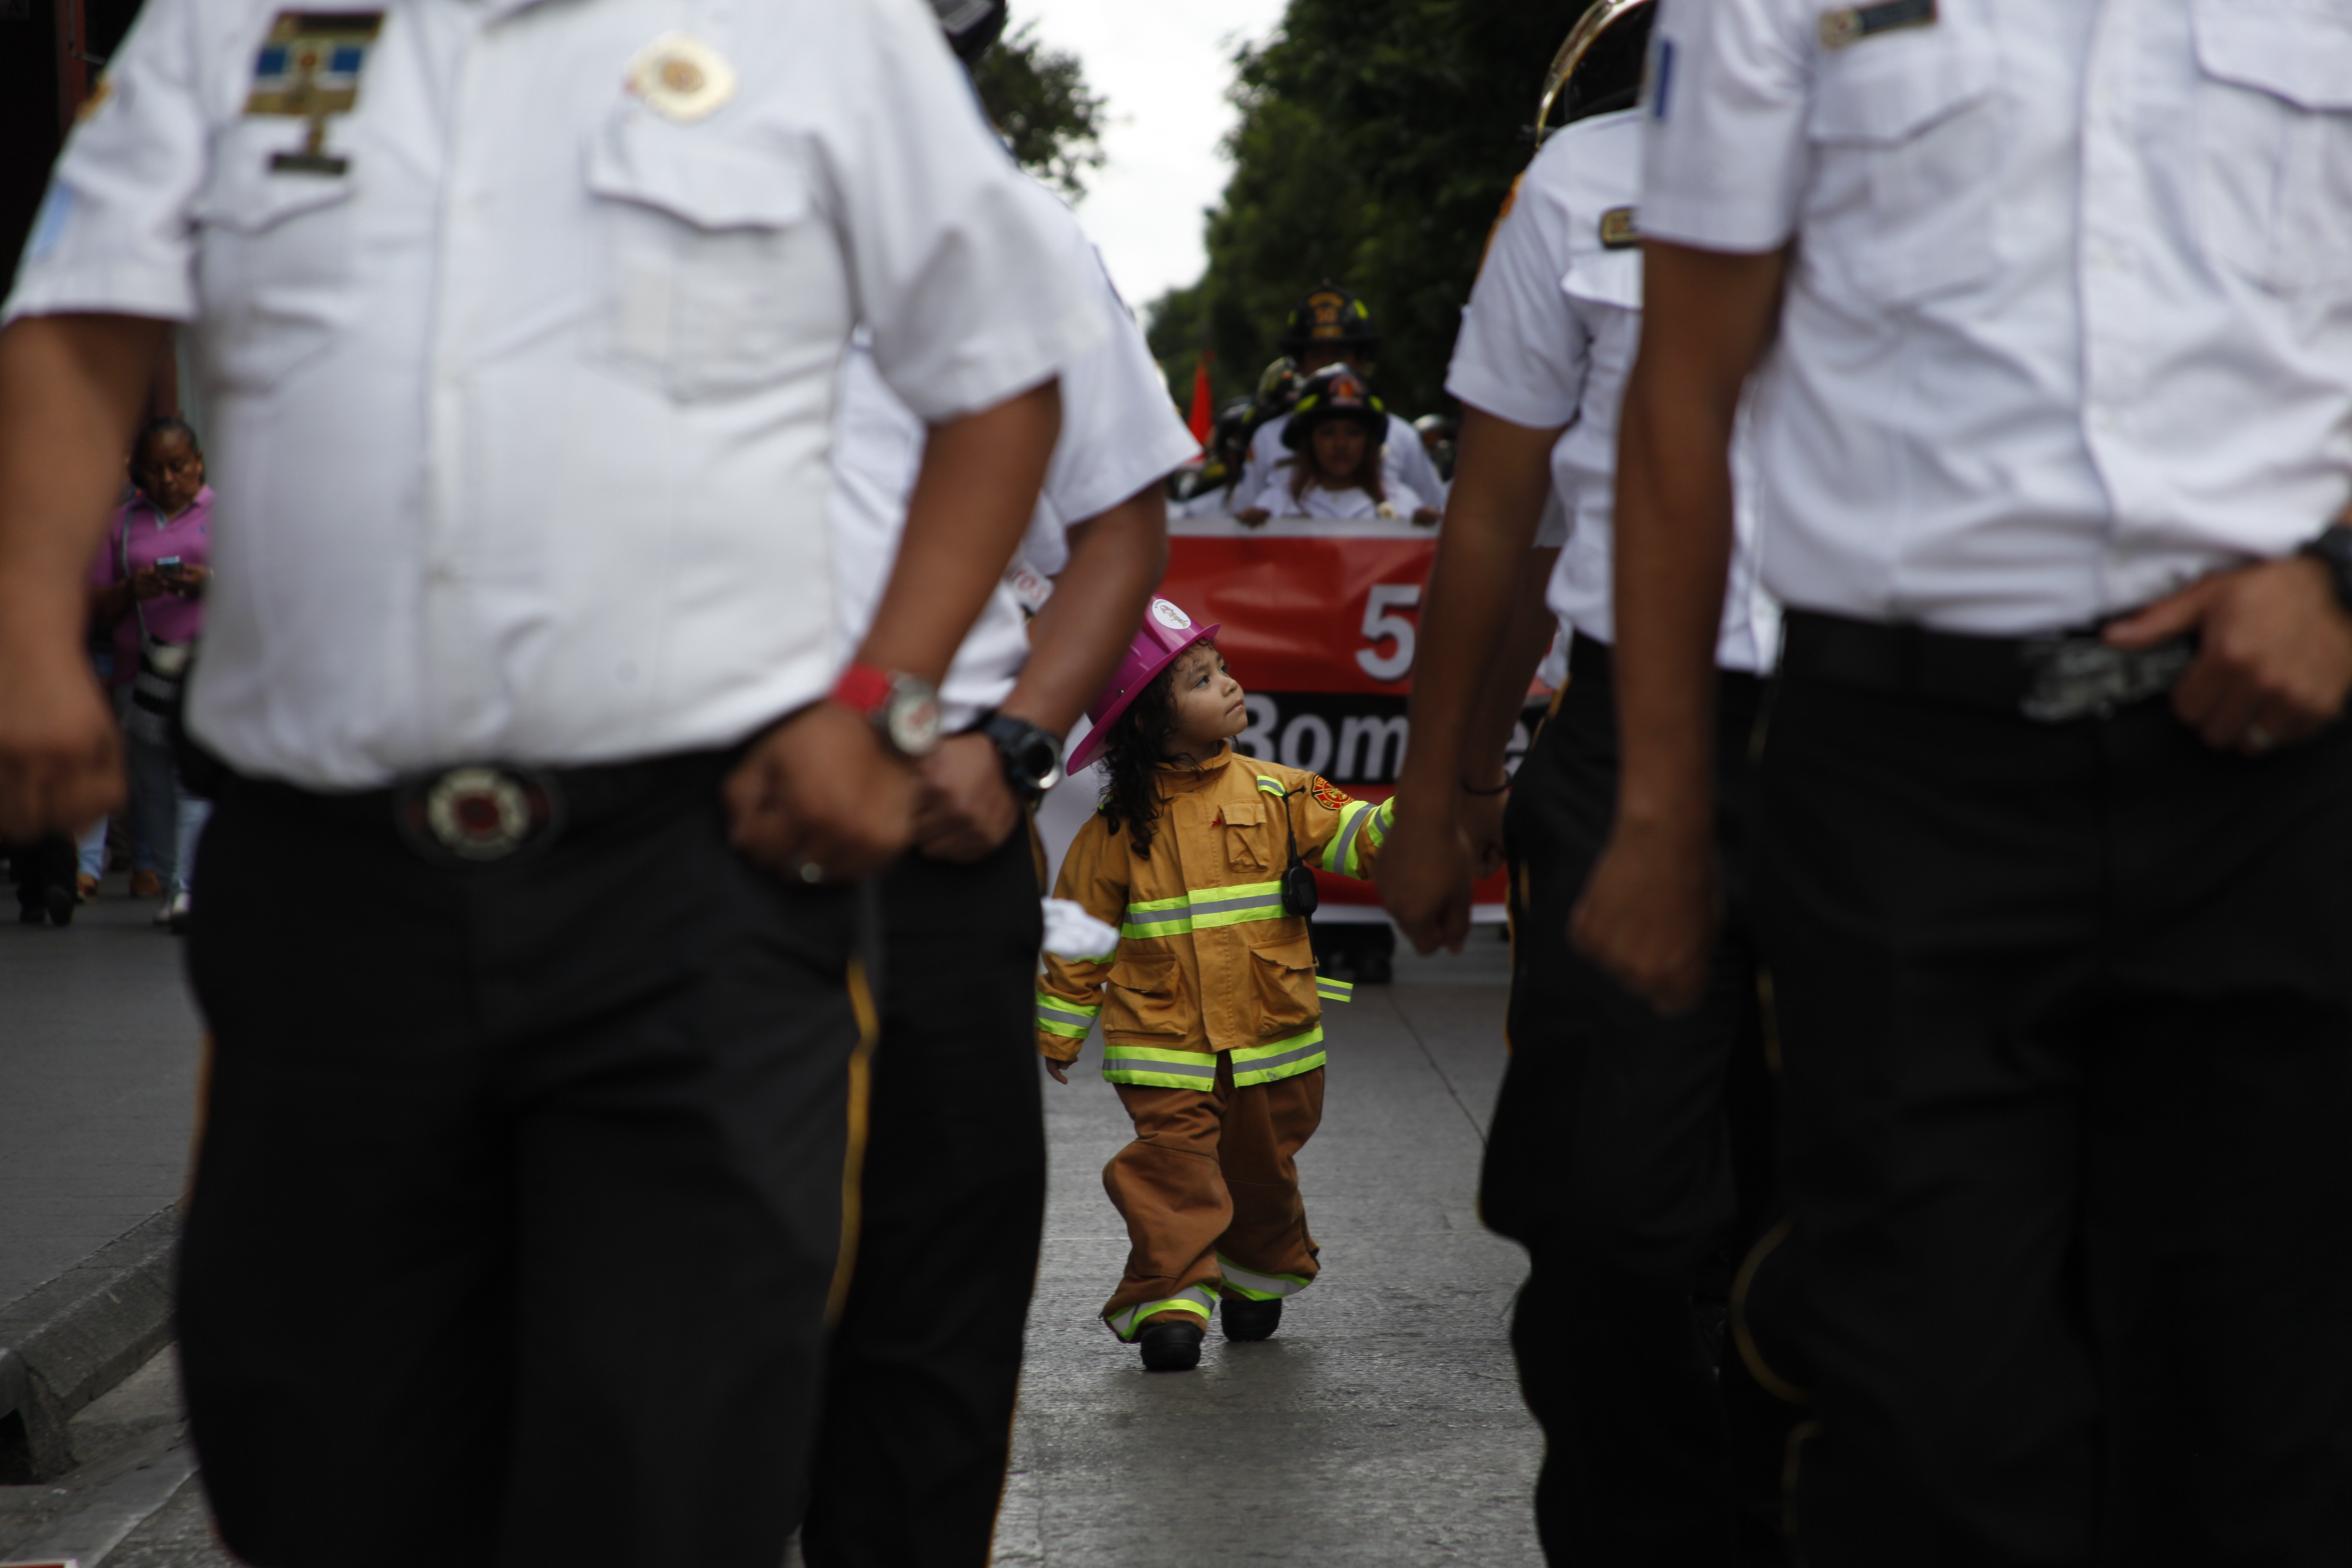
{"x": 1204, "y": 911}
{"x": 1273, "y": 787}
{"x": 1332, "y": 990}
{"x": 1149, "y": 1066}
{"x": 1191, "y": 1299}
{"x": 1070, "y": 1020}
{"x": 1251, "y": 1286}
{"x": 1302, "y": 1052}
{"x": 1362, "y": 827}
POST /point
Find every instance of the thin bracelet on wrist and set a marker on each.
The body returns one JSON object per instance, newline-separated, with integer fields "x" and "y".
{"x": 1503, "y": 788}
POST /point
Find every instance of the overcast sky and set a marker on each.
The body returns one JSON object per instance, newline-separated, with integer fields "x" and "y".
{"x": 1165, "y": 68}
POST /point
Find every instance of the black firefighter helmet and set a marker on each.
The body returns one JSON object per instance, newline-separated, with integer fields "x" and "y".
{"x": 1331, "y": 316}
{"x": 1336, "y": 392}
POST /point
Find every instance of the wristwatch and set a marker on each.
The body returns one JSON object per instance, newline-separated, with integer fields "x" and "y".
{"x": 904, "y": 707}
{"x": 1033, "y": 757}
{"x": 2332, "y": 549}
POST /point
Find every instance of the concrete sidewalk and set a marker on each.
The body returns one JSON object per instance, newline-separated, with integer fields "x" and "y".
{"x": 1383, "y": 1423}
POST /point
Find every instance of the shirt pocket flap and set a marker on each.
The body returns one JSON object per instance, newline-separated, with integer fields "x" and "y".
{"x": 1602, "y": 276}
{"x": 1883, "y": 91}
{"x": 1243, "y": 813}
{"x": 707, "y": 181}
{"x": 2300, "y": 52}
{"x": 246, "y": 196}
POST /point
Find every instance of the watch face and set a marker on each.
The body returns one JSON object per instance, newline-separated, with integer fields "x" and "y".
{"x": 1040, "y": 760}
{"x": 913, "y": 720}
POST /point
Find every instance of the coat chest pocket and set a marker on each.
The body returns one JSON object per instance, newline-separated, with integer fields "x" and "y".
{"x": 721, "y": 276}
{"x": 2274, "y": 142}
{"x": 1244, "y": 831}
{"x": 1144, "y": 996}
{"x": 274, "y": 258}
{"x": 1907, "y": 134}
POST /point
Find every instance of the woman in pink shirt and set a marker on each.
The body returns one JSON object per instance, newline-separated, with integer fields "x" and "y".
{"x": 148, "y": 584}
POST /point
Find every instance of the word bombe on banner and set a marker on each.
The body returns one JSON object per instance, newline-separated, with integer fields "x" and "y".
{"x": 1347, "y": 737}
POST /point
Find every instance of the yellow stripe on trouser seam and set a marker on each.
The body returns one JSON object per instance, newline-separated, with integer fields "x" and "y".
{"x": 852, "y": 1163}
{"x": 1191, "y": 1299}
{"x": 1070, "y": 1020}
{"x": 1251, "y": 1286}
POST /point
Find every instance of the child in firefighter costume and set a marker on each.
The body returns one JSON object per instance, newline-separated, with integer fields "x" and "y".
{"x": 1211, "y": 1008}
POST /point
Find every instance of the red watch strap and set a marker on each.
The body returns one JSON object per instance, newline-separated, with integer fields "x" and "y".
{"x": 863, "y": 688}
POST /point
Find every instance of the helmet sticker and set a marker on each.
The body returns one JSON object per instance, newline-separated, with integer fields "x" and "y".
{"x": 1168, "y": 616}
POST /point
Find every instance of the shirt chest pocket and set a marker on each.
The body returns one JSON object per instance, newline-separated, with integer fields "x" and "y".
{"x": 273, "y": 258}
{"x": 2274, "y": 142}
{"x": 721, "y": 276}
{"x": 1243, "y": 826}
{"x": 1907, "y": 134}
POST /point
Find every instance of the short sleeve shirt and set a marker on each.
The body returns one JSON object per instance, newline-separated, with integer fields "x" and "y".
{"x": 1119, "y": 434}
{"x": 520, "y": 368}
{"x": 2069, "y": 318}
{"x": 1549, "y": 341}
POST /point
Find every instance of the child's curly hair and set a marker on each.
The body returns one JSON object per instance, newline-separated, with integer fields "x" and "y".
{"x": 1130, "y": 797}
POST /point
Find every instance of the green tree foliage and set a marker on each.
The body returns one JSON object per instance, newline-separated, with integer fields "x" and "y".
{"x": 1039, "y": 100}
{"x": 1376, "y": 140}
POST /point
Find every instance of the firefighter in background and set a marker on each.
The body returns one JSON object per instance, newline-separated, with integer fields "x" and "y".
{"x": 1335, "y": 469}
{"x": 1330, "y": 326}
{"x": 1210, "y": 1007}
{"x": 1207, "y": 490}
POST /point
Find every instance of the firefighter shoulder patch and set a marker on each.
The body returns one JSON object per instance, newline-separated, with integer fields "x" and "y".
{"x": 1327, "y": 795}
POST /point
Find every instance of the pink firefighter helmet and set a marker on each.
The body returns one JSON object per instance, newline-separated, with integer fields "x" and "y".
{"x": 1167, "y": 631}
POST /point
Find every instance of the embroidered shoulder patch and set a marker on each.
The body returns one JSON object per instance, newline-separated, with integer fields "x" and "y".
{"x": 1619, "y": 229}
{"x": 1328, "y": 795}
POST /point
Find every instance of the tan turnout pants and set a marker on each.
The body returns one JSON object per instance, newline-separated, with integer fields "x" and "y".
{"x": 1210, "y": 1192}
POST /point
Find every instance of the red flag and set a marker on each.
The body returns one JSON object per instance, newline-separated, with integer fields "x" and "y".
{"x": 1203, "y": 417}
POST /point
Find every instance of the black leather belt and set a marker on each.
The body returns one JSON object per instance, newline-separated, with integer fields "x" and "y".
{"x": 2050, "y": 679}
{"x": 487, "y": 814}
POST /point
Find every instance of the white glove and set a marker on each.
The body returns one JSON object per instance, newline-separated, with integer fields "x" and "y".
{"x": 1071, "y": 932}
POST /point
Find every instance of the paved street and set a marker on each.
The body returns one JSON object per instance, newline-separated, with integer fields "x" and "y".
{"x": 1381, "y": 1426}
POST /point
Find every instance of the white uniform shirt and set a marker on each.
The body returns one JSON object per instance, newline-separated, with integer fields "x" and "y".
{"x": 520, "y": 425}
{"x": 1404, "y": 466}
{"x": 1119, "y": 434}
{"x": 2070, "y": 323}
{"x": 1549, "y": 339}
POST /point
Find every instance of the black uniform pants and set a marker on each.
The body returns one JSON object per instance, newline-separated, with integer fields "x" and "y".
{"x": 925, "y": 1362}
{"x": 2066, "y": 1012}
{"x": 520, "y": 1197}
{"x": 1631, "y": 1154}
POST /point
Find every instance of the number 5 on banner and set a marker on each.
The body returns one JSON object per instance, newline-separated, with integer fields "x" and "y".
{"x": 1381, "y": 626}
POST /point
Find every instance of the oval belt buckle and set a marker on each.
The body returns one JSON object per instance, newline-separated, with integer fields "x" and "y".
{"x": 481, "y": 814}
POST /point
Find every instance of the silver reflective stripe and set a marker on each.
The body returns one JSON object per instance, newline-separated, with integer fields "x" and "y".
{"x": 1338, "y": 861}
{"x": 1258, "y": 1284}
{"x": 1191, "y": 1299}
{"x": 1067, "y": 1016}
{"x": 1224, "y": 906}
{"x": 1114, "y": 1061}
{"x": 1263, "y": 1064}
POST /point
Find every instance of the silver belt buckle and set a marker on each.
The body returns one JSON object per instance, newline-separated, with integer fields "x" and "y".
{"x": 2083, "y": 678}
{"x": 478, "y": 815}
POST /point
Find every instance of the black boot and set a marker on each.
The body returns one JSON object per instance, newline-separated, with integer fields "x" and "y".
{"x": 1170, "y": 1347}
{"x": 1245, "y": 1320}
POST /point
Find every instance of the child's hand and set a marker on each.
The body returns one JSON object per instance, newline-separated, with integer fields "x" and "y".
{"x": 1061, "y": 1074}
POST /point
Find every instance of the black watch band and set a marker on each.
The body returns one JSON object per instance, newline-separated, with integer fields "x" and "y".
{"x": 1032, "y": 756}
{"x": 2332, "y": 548}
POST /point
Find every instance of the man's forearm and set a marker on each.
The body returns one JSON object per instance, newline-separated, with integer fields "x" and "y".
{"x": 70, "y": 389}
{"x": 970, "y": 505}
{"x": 1482, "y": 559}
{"x": 1117, "y": 559}
{"x": 1505, "y": 697}
{"x": 1711, "y": 321}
